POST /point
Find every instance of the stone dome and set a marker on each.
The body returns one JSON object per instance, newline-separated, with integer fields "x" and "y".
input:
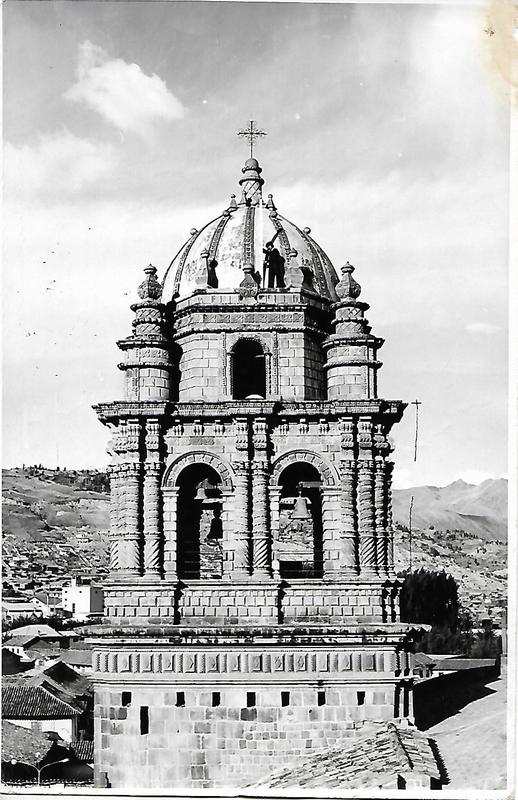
{"x": 237, "y": 237}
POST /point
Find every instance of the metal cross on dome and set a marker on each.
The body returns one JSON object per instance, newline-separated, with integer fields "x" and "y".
{"x": 252, "y": 133}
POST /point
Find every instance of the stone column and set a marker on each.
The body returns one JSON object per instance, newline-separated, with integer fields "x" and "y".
{"x": 331, "y": 534}
{"x": 261, "y": 566}
{"x": 366, "y": 520}
{"x": 114, "y": 518}
{"x": 129, "y": 547}
{"x": 241, "y": 525}
{"x": 170, "y": 517}
{"x": 349, "y": 533}
{"x": 380, "y": 516}
{"x": 389, "y": 468}
{"x": 275, "y": 497}
{"x": 227, "y": 515}
{"x": 152, "y": 554}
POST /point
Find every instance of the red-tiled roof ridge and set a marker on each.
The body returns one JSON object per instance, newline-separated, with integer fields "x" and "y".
{"x": 22, "y": 701}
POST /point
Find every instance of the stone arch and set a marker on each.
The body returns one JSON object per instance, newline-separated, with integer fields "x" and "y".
{"x": 325, "y": 468}
{"x": 254, "y": 339}
{"x": 174, "y": 469}
{"x": 251, "y": 337}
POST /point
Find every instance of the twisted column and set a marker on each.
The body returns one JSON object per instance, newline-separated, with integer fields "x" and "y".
{"x": 129, "y": 548}
{"x": 152, "y": 566}
{"x": 380, "y": 516}
{"x": 349, "y": 533}
{"x": 366, "y": 519}
{"x": 241, "y": 516}
{"x": 389, "y": 468}
{"x": 170, "y": 518}
{"x": 114, "y": 518}
{"x": 261, "y": 538}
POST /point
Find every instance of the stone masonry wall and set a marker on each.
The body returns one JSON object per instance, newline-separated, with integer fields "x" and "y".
{"x": 193, "y": 743}
{"x": 219, "y": 604}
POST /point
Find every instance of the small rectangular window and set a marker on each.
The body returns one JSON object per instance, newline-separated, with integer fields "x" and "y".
{"x": 216, "y": 699}
{"x": 180, "y": 699}
{"x": 360, "y": 696}
{"x": 285, "y": 698}
{"x": 250, "y": 699}
{"x": 144, "y": 720}
{"x": 321, "y": 698}
{"x": 126, "y": 698}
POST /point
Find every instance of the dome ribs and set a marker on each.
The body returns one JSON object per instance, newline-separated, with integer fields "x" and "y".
{"x": 214, "y": 242}
{"x": 317, "y": 261}
{"x": 183, "y": 259}
{"x": 283, "y": 236}
{"x": 248, "y": 237}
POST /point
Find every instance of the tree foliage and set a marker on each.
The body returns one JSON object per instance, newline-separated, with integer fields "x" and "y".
{"x": 430, "y": 597}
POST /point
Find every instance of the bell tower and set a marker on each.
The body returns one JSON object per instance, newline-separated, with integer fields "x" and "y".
{"x": 252, "y": 603}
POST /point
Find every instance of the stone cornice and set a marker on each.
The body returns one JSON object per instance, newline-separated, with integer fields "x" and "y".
{"x": 110, "y": 412}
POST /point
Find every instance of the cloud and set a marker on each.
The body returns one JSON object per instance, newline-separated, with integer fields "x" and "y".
{"x": 482, "y": 327}
{"x": 59, "y": 164}
{"x": 121, "y": 93}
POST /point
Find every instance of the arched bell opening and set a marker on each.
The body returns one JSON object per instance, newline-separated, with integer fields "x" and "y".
{"x": 248, "y": 370}
{"x": 299, "y": 546}
{"x": 199, "y": 526}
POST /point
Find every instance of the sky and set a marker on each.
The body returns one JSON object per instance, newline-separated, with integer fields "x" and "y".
{"x": 386, "y": 135}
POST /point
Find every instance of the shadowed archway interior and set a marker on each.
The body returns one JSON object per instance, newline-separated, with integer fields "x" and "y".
{"x": 200, "y": 528}
{"x": 248, "y": 370}
{"x": 299, "y": 545}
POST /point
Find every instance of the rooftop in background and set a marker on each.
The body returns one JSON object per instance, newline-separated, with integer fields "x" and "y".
{"x": 43, "y": 631}
{"x": 24, "y": 745}
{"x": 22, "y": 701}
{"x": 372, "y": 760}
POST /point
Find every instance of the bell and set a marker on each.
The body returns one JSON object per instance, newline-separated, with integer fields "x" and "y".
{"x": 300, "y": 509}
{"x": 201, "y": 494}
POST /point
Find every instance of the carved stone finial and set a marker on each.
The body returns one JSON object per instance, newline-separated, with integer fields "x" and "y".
{"x": 248, "y": 286}
{"x": 150, "y": 288}
{"x": 347, "y": 288}
{"x": 233, "y": 204}
{"x": 270, "y": 204}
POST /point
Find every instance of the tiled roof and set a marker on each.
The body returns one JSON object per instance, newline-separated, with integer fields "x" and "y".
{"x": 19, "y": 641}
{"x": 365, "y": 761}
{"x": 83, "y": 750}
{"x": 21, "y": 701}
{"x": 80, "y": 657}
{"x": 464, "y": 663}
{"x": 45, "y": 631}
{"x": 22, "y": 744}
{"x": 423, "y": 659}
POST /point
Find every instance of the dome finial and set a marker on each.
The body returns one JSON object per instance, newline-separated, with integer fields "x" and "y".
{"x": 347, "y": 288}
{"x": 150, "y": 288}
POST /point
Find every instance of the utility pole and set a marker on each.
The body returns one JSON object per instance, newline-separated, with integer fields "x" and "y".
{"x": 410, "y": 531}
{"x": 416, "y": 403}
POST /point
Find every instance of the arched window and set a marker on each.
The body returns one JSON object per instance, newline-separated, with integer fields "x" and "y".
{"x": 248, "y": 370}
{"x": 199, "y": 539}
{"x": 299, "y": 544}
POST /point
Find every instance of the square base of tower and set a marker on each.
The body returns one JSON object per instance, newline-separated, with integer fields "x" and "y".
{"x": 212, "y": 707}
{"x": 251, "y": 602}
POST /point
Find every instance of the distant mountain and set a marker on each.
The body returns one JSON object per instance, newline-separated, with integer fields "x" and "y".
{"x": 36, "y": 508}
{"x": 477, "y": 509}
